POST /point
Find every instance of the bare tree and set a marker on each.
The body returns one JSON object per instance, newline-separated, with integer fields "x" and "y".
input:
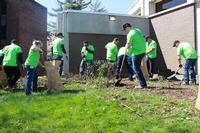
{"x": 96, "y": 7}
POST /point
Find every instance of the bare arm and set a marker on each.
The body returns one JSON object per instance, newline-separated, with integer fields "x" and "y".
{"x": 152, "y": 49}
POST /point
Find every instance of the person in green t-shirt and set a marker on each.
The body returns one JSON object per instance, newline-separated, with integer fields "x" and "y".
{"x": 32, "y": 61}
{"x": 11, "y": 54}
{"x": 151, "y": 54}
{"x": 136, "y": 42}
{"x": 59, "y": 50}
{"x": 112, "y": 49}
{"x": 87, "y": 54}
{"x": 111, "y": 55}
{"x": 186, "y": 51}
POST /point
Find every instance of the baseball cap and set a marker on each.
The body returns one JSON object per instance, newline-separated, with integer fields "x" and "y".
{"x": 126, "y": 25}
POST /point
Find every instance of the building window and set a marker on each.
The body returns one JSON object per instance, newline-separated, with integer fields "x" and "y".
{"x": 167, "y": 4}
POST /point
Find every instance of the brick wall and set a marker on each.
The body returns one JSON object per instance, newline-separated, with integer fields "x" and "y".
{"x": 166, "y": 27}
{"x": 26, "y": 20}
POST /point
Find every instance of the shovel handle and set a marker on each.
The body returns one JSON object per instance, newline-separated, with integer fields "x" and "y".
{"x": 123, "y": 60}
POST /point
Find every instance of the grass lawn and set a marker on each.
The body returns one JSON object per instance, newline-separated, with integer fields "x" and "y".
{"x": 82, "y": 108}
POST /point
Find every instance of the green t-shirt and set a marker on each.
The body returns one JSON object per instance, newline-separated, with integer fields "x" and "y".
{"x": 10, "y": 55}
{"x": 57, "y": 46}
{"x": 112, "y": 50}
{"x": 136, "y": 38}
{"x": 122, "y": 51}
{"x": 186, "y": 51}
{"x": 33, "y": 58}
{"x": 88, "y": 55}
{"x": 129, "y": 52}
{"x": 149, "y": 46}
{"x": 1, "y": 53}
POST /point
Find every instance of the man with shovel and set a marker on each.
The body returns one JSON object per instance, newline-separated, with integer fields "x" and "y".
{"x": 136, "y": 42}
{"x": 186, "y": 51}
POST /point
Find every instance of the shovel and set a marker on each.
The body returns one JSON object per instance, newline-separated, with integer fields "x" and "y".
{"x": 120, "y": 78}
{"x": 173, "y": 75}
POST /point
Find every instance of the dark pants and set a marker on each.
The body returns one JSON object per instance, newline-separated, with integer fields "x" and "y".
{"x": 31, "y": 79}
{"x": 84, "y": 66}
{"x": 189, "y": 66}
{"x": 60, "y": 58}
{"x": 137, "y": 59}
{"x": 150, "y": 66}
{"x": 13, "y": 75}
{"x": 128, "y": 67}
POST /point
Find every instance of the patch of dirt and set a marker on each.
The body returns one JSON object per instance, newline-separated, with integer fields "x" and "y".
{"x": 173, "y": 90}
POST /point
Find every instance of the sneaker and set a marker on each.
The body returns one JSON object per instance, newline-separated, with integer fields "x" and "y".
{"x": 184, "y": 83}
{"x": 193, "y": 83}
{"x": 8, "y": 88}
{"x": 140, "y": 87}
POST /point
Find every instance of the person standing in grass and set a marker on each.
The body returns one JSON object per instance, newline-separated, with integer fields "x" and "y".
{"x": 87, "y": 54}
{"x": 136, "y": 42}
{"x": 31, "y": 63}
{"x": 111, "y": 55}
{"x": 11, "y": 54}
{"x": 151, "y": 54}
{"x": 127, "y": 62}
{"x": 186, "y": 51}
{"x": 59, "y": 50}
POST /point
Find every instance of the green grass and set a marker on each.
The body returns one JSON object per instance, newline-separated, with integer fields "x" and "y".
{"x": 85, "y": 109}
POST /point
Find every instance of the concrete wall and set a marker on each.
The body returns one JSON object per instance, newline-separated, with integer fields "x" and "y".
{"x": 94, "y": 27}
{"x": 198, "y": 32}
{"x": 98, "y": 23}
{"x": 167, "y": 27}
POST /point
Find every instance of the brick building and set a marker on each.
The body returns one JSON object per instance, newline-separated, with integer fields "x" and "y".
{"x": 24, "y": 20}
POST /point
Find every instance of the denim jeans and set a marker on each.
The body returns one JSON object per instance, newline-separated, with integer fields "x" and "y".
{"x": 128, "y": 67}
{"x": 136, "y": 60}
{"x": 60, "y": 58}
{"x": 150, "y": 66}
{"x": 189, "y": 66}
{"x": 84, "y": 66}
{"x": 31, "y": 79}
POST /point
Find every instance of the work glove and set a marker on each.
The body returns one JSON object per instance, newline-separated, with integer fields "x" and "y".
{"x": 180, "y": 65}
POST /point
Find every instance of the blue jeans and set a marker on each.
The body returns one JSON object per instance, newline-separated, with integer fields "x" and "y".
{"x": 136, "y": 60}
{"x": 150, "y": 66}
{"x": 84, "y": 66}
{"x": 31, "y": 79}
{"x": 189, "y": 66}
{"x": 60, "y": 58}
{"x": 128, "y": 67}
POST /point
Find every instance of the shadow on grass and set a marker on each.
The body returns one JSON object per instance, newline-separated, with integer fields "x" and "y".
{"x": 72, "y": 91}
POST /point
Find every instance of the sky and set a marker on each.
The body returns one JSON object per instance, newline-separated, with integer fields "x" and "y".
{"x": 112, "y": 6}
